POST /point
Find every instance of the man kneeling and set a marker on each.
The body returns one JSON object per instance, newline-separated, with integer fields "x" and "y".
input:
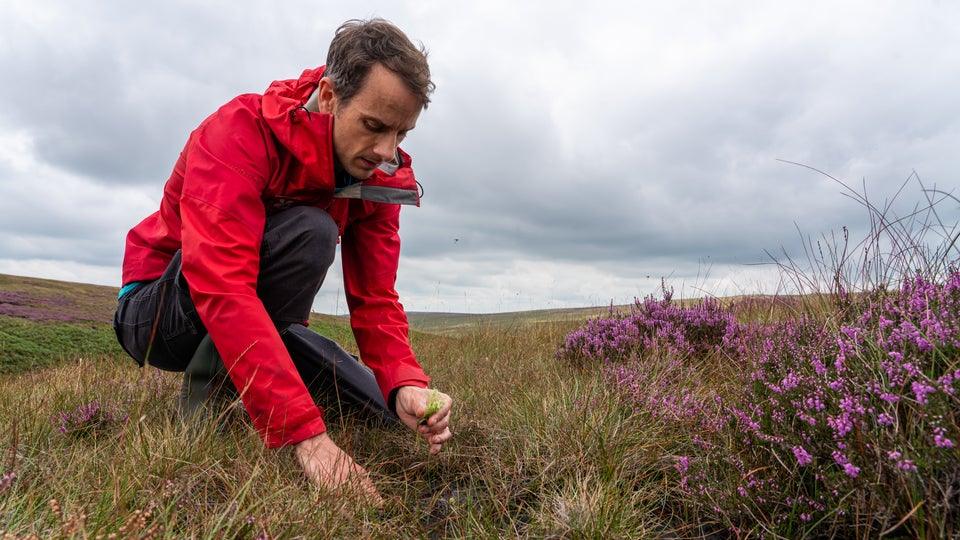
{"x": 248, "y": 226}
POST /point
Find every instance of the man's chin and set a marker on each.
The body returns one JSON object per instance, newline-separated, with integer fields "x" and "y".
{"x": 360, "y": 173}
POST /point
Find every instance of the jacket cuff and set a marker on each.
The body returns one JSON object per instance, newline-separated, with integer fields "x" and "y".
{"x": 302, "y": 432}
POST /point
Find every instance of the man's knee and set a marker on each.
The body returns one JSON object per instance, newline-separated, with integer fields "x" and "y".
{"x": 321, "y": 234}
{"x": 306, "y": 233}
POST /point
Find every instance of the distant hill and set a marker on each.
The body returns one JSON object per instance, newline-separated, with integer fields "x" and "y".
{"x": 452, "y": 322}
{"x": 44, "y": 321}
{"x": 47, "y": 300}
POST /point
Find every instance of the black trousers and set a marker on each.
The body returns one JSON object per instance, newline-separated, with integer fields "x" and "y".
{"x": 157, "y": 323}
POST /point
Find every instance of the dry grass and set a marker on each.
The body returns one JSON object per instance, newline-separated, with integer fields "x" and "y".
{"x": 540, "y": 450}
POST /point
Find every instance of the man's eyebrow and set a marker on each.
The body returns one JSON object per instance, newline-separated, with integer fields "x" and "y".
{"x": 365, "y": 117}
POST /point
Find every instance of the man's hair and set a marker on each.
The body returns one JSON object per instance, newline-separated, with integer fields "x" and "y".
{"x": 359, "y": 44}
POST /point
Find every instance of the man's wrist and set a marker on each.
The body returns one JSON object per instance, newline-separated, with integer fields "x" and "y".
{"x": 297, "y": 435}
{"x": 308, "y": 445}
{"x": 395, "y": 393}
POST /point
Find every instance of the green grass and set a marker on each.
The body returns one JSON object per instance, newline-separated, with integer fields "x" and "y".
{"x": 335, "y": 328}
{"x": 28, "y": 344}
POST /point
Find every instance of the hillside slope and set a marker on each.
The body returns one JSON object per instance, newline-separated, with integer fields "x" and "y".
{"x": 44, "y": 322}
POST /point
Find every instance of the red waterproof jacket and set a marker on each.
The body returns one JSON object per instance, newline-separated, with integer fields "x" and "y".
{"x": 254, "y": 155}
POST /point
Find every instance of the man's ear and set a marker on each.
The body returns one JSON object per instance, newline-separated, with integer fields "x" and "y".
{"x": 327, "y": 98}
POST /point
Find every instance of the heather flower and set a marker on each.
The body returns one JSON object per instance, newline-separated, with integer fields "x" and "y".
{"x": 7, "y": 480}
{"x": 841, "y": 459}
{"x": 653, "y": 324}
{"x": 906, "y": 465}
{"x": 814, "y": 403}
{"x": 87, "y": 419}
{"x": 841, "y": 424}
{"x": 884, "y": 419}
{"x": 921, "y": 390}
{"x": 818, "y": 367}
{"x": 939, "y": 438}
{"x": 889, "y": 398}
{"x": 803, "y": 457}
{"x": 790, "y": 382}
{"x": 946, "y": 382}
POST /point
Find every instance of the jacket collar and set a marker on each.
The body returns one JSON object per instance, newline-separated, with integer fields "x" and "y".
{"x": 308, "y": 136}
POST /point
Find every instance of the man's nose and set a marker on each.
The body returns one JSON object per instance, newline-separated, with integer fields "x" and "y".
{"x": 386, "y": 147}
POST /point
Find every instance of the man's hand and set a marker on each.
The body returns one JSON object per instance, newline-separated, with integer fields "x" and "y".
{"x": 411, "y": 402}
{"x": 326, "y": 465}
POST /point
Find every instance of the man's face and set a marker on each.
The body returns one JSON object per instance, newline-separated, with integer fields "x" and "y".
{"x": 369, "y": 127}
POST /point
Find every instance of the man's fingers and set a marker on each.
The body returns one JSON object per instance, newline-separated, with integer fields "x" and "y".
{"x": 436, "y": 441}
{"x": 371, "y": 492}
{"x": 360, "y": 480}
{"x": 435, "y": 427}
{"x": 439, "y": 438}
{"x": 366, "y": 489}
{"x": 329, "y": 467}
{"x": 443, "y": 412}
{"x": 439, "y": 426}
{"x": 442, "y": 437}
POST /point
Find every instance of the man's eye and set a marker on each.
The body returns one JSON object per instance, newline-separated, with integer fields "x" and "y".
{"x": 373, "y": 126}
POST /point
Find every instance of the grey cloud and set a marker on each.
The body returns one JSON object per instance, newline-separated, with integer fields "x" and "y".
{"x": 92, "y": 251}
{"x": 630, "y": 139}
{"x": 691, "y": 172}
{"x": 110, "y": 90}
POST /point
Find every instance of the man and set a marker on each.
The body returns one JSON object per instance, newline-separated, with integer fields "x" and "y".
{"x": 248, "y": 226}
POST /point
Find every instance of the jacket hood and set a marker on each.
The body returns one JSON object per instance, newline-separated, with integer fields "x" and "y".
{"x": 308, "y": 136}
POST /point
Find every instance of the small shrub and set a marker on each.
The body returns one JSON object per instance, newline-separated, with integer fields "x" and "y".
{"x": 652, "y": 325}
{"x": 88, "y": 419}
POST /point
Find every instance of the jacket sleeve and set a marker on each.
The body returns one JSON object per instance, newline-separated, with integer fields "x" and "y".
{"x": 223, "y": 219}
{"x": 370, "y": 250}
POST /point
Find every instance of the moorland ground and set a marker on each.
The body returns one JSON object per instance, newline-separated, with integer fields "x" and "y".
{"x": 529, "y": 456}
{"x": 820, "y": 415}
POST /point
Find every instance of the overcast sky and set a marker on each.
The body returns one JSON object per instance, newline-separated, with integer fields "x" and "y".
{"x": 574, "y": 152}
